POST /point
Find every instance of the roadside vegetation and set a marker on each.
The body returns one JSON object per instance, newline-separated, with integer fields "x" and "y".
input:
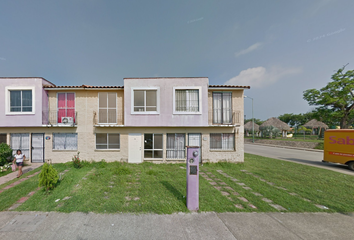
{"x": 161, "y": 188}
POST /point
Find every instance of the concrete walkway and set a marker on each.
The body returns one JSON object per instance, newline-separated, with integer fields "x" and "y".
{"x": 13, "y": 175}
{"x": 54, "y": 225}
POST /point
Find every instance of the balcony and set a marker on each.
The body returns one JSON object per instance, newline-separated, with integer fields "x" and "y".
{"x": 59, "y": 118}
{"x": 108, "y": 118}
{"x": 224, "y": 118}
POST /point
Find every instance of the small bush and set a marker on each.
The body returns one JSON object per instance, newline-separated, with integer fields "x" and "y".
{"x": 5, "y": 154}
{"x": 48, "y": 177}
{"x": 76, "y": 161}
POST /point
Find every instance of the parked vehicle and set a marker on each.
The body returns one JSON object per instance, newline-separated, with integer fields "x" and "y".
{"x": 339, "y": 147}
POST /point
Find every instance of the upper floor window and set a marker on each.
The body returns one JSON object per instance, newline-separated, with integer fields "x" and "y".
{"x": 107, "y": 112}
{"x": 187, "y": 101}
{"x": 222, "y": 111}
{"x": 66, "y": 106}
{"x": 20, "y": 100}
{"x": 145, "y": 101}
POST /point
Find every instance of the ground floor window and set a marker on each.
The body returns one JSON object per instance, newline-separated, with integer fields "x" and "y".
{"x": 3, "y": 138}
{"x": 20, "y": 141}
{"x": 175, "y": 145}
{"x": 64, "y": 141}
{"x": 153, "y": 145}
{"x": 107, "y": 141}
{"x": 222, "y": 141}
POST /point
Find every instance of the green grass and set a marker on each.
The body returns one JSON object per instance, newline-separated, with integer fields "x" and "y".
{"x": 161, "y": 188}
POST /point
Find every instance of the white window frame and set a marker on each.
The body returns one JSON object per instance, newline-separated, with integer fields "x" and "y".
{"x": 153, "y": 143}
{"x": 107, "y": 142}
{"x": 77, "y": 142}
{"x": 7, "y": 99}
{"x": 187, "y": 88}
{"x": 98, "y": 111}
{"x": 174, "y": 149}
{"x": 146, "y": 89}
{"x": 221, "y": 149}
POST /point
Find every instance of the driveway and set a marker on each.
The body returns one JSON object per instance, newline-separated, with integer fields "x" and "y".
{"x": 311, "y": 158}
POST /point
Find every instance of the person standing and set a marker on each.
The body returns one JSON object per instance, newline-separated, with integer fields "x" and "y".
{"x": 19, "y": 158}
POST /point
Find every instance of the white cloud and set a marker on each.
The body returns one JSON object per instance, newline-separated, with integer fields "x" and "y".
{"x": 260, "y": 76}
{"x": 249, "y": 49}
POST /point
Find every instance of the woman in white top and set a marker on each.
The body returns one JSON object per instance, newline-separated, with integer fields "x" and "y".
{"x": 19, "y": 158}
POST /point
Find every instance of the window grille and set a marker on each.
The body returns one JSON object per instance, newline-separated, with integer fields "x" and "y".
{"x": 107, "y": 141}
{"x": 222, "y": 141}
{"x": 64, "y": 141}
{"x": 175, "y": 146}
{"x": 187, "y": 100}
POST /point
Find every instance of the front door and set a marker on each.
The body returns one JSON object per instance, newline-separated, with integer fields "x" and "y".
{"x": 134, "y": 146}
{"x": 195, "y": 140}
{"x": 37, "y": 147}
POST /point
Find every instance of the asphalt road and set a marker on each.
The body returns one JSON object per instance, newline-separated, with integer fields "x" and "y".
{"x": 295, "y": 155}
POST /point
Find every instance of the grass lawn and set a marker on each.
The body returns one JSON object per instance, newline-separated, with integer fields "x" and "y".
{"x": 160, "y": 188}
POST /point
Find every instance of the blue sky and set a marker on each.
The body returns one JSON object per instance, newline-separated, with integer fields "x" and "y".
{"x": 279, "y": 48}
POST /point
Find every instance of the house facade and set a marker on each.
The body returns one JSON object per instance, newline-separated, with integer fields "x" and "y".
{"x": 147, "y": 119}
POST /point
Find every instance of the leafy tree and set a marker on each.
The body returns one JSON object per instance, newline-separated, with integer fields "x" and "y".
{"x": 337, "y": 97}
{"x": 5, "y": 153}
{"x": 269, "y": 131}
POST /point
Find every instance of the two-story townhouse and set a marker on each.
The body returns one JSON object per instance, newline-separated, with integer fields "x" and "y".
{"x": 149, "y": 119}
{"x": 22, "y": 113}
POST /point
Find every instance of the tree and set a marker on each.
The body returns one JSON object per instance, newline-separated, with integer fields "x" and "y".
{"x": 337, "y": 97}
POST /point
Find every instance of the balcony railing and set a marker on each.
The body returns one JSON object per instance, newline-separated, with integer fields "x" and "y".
{"x": 224, "y": 117}
{"x": 59, "y": 118}
{"x": 107, "y": 118}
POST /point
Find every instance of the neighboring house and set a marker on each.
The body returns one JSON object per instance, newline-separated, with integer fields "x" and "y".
{"x": 149, "y": 119}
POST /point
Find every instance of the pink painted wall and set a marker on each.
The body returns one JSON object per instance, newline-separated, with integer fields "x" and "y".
{"x": 166, "y": 116}
{"x": 40, "y": 102}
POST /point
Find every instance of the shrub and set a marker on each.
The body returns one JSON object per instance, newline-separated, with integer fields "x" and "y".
{"x": 48, "y": 177}
{"x": 5, "y": 154}
{"x": 76, "y": 161}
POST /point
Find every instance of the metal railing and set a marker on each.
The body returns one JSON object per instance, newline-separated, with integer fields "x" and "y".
{"x": 224, "y": 117}
{"x": 108, "y": 118}
{"x": 59, "y": 118}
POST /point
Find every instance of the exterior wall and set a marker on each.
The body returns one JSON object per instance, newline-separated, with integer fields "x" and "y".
{"x": 22, "y": 119}
{"x": 88, "y": 151}
{"x": 166, "y": 117}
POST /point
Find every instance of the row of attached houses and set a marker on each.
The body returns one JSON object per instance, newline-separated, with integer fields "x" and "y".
{"x": 147, "y": 119}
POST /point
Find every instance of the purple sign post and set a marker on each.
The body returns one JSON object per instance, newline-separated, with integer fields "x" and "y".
{"x": 193, "y": 156}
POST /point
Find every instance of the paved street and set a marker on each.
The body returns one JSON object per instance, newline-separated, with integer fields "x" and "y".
{"x": 54, "y": 225}
{"x": 295, "y": 155}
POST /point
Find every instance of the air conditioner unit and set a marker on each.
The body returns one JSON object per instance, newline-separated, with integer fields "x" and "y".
{"x": 67, "y": 120}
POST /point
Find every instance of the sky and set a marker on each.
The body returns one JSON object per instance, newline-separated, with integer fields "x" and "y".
{"x": 278, "y": 48}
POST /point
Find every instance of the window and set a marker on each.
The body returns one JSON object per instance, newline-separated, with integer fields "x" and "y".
{"x": 64, "y": 141}
{"x": 145, "y": 100}
{"x": 222, "y": 141}
{"x": 175, "y": 145}
{"x": 20, "y": 141}
{"x": 153, "y": 145}
{"x": 187, "y": 100}
{"x": 20, "y": 100}
{"x": 222, "y": 112}
{"x": 107, "y": 141}
{"x": 3, "y": 138}
{"x": 66, "y": 106}
{"x": 107, "y": 112}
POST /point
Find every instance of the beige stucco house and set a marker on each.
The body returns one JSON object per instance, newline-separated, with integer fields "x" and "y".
{"x": 147, "y": 119}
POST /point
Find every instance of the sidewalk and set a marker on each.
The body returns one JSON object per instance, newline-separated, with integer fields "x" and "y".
{"x": 54, "y": 225}
{"x": 281, "y": 146}
{"x": 13, "y": 175}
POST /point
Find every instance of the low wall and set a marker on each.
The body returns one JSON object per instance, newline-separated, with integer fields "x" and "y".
{"x": 298, "y": 144}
